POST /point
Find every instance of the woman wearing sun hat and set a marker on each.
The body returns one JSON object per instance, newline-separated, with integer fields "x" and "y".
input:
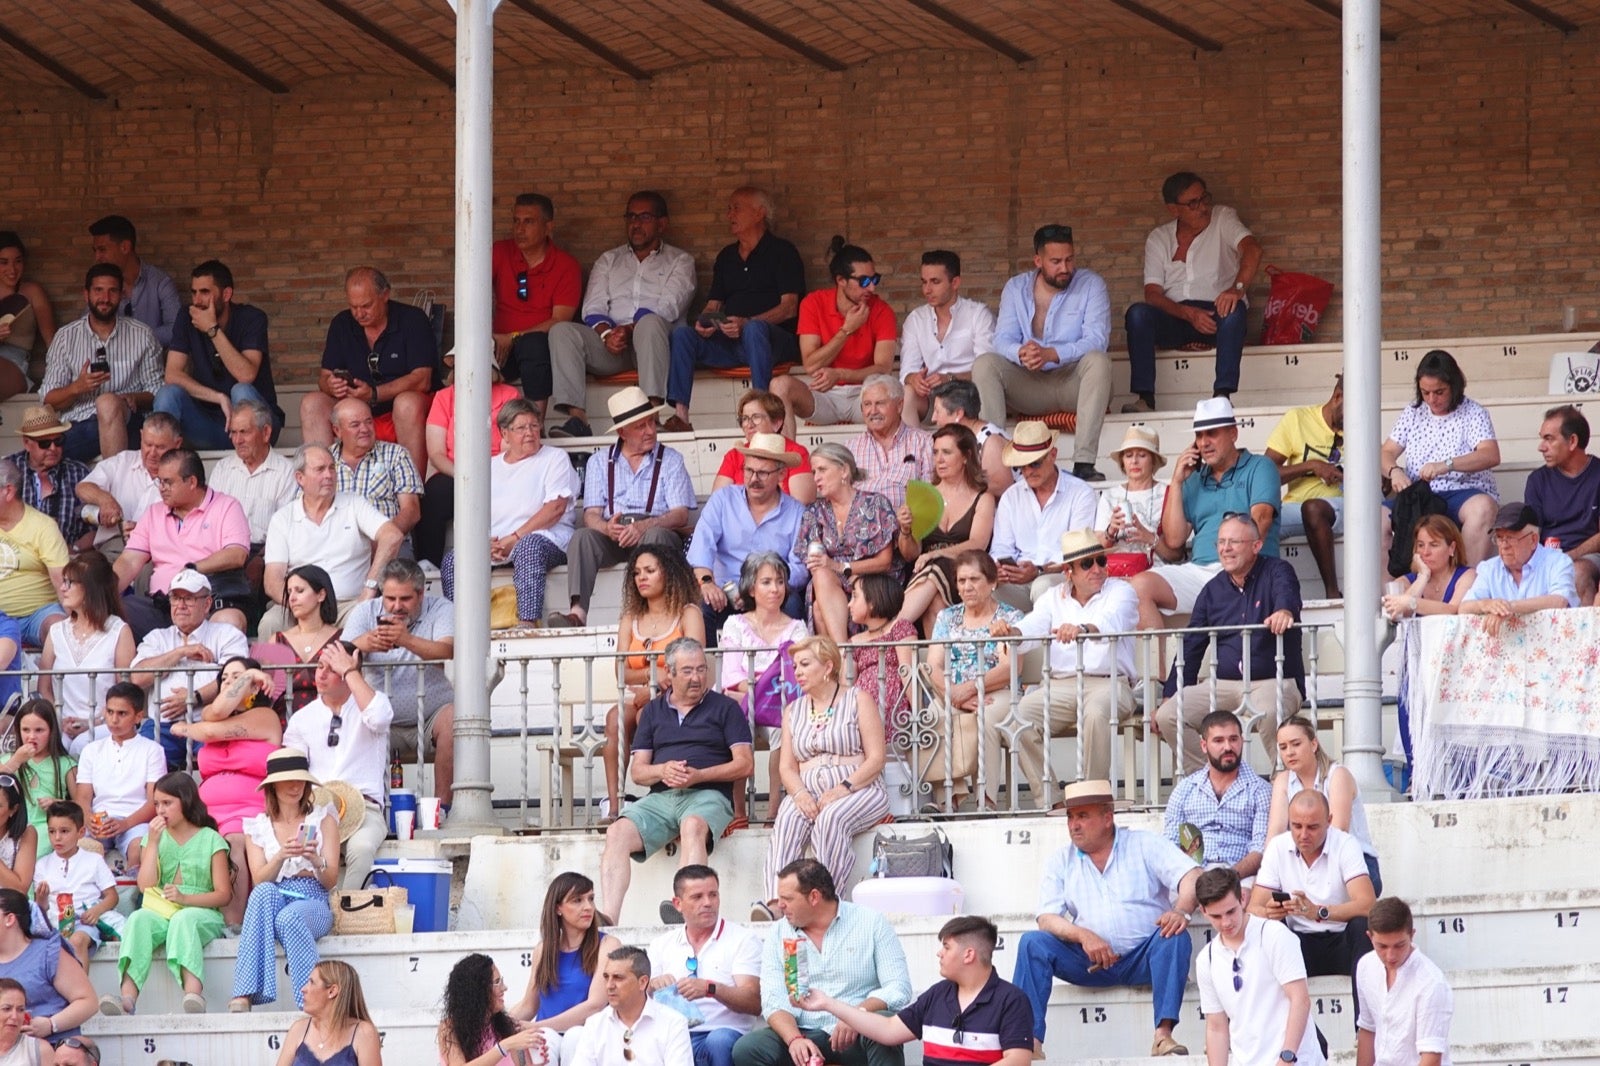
{"x": 1130, "y": 514}
{"x": 293, "y": 850}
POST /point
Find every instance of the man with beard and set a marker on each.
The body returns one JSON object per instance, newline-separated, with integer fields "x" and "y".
{"x": 1050, "y": 346}
{"x": 101, "y": 372}
{"x": 637, "y": 293}
{"x": 1252, "y": 590}
{"x": 1308, "y": 446}
{"x": 1224, "y": 800}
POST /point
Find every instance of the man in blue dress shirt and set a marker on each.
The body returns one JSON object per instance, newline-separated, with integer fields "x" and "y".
{"x": 1525, "y": 576}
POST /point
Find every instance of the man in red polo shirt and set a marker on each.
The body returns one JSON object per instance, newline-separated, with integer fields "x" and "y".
{"x": 536, "y": 285}
{"x": 847, "y": 335}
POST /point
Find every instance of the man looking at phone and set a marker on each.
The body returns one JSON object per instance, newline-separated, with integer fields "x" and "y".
{"x": 395, "y": 633}
{"x": 637, "y": 293}
{"x": 381, "y": 352}
{"x": 1314, "y": 879}
{"x": 102, "y": 371}
{"x": 749, "y": 317}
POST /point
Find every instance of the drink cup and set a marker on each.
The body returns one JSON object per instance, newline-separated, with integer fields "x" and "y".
{"x": 428, "y": 812}
{"x": 405, "y": 918}
{"x": 404, "y": 823}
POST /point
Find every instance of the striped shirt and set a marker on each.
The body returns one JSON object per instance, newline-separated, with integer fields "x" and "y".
{"x": 383, "y": 475}
{"x": 998, "y": 1019}
{"x": 62, "y": 503}
{"x": 909, "y": 455}
{"x": 136, "y": 357}
{"x": 1121, "y": 903}
{"x": 861, "y": 958}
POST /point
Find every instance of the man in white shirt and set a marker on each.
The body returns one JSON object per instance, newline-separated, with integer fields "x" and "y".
{"x": 712, "y": 962}
{"x": 1314, "y": 879}
{"x": 637, "y": 293}
{"x": 633, "y": 1028}
{"x": 125, "y": 485}
{"x": 1405, "y": 1005}
{"x": 1088, "y": 603}
{"x": 1197, "y": 269}
{"x": 1034, "y": 514}
{"x": 179, "y": 663}
{"x": 940, "y": 340}
{"x": 262, "y": 480}
{"x": 345, "y": 735}
{"x": 340, "y": 532}
{"x": 1252, "y": 983}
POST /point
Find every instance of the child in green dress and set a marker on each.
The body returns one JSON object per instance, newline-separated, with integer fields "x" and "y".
{"x": 41, "y": 762}
{"x": 190, "y": 871}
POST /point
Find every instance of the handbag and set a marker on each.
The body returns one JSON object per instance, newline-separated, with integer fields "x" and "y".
{"x": 367, "y": 910}
{"x": 159, "y": 905}
{"x": 503, "y": 607}
{"x": 929, "y": 854}
{"x": 774, "y": 689}
{"x": 1294, "y": 307}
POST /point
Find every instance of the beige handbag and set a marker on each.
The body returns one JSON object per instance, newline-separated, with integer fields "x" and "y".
{"x": 367, "y": 910}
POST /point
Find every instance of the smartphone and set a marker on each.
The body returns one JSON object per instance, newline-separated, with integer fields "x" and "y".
{"x": 308, "y": 835}
{"x": 99, "y": 365}
{"x": 1281, "y": 897}
{"x": 712, "y": 318}
{"x": 1007, "y": 561}
{"x": 344, "y": 376}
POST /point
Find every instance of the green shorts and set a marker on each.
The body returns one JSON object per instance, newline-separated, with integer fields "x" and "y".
{"x": 658, "y": 816}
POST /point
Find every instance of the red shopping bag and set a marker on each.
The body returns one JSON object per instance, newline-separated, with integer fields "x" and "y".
{"x": 1294, "y": 307}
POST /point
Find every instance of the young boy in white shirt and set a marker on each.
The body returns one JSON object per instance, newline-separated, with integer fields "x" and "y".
{"x": 117, "y": 775}
{"x": 84, "y": 875}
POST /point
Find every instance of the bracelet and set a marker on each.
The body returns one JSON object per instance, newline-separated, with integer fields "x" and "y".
{"x": 500, "y": 1049}
{"x": 52, "y": 1022}
{"x": 352, "y": 670}
{"x": 608, "y": 331}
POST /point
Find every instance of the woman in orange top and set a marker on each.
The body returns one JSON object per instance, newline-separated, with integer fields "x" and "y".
{"x": 659, "y": 604}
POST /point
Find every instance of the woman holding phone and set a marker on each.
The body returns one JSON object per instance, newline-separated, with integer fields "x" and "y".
{"x": 293, "y": 849}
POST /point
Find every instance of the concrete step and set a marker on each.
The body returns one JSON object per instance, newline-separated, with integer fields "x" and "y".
{"x": 256, "y": 1038}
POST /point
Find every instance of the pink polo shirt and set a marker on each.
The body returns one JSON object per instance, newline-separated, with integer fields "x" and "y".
{"x": 173, "y": 543}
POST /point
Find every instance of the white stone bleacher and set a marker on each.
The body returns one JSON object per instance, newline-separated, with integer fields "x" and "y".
{"x": 1503, "y": 893}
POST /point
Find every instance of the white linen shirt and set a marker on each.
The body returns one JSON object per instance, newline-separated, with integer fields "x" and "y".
{"x": 659, "y": 1038}
{"x": 1410, "y": 1017}
{"x": 124, "y": 478}
{"x": 1121, "y": 903}
{"x": 261, "y": 492}
{"x": 362, "y": 756}
{"x": 1258, "y": 1013}
{"x": 1026, "y": 532}
{"x": 1323, "y": 882}
{"x": 622, "y": 288}
{"x": 970, "y": 335}
{"x": 1211, "y": 265}
{"x": 1114, "y": 609}
{"x": 221, "y": 639}
{"x": 118, "y": 773}
{"x": 733, "y": 951}
{"x": 341, "y": 544}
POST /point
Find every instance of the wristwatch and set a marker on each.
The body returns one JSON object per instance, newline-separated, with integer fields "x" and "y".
{"x": 212, "y": 332}
{"x": 1238, "y": 286}
{"x": 1288, "y": 1056}
{"x": 1322, "y": 914}
{"x": 848, "y": 573}
{"x": 711, "y": 988}
{"x": 370, "y": 583}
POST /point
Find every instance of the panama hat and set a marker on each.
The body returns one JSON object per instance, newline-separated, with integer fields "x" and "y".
{"x": 1214, "y": 413}
{"x": 629, "y": 405}
{"x": 1080, "y": 544}
{"x": 1032, "y": 441}
{"x": 1087, "y": 794}
{"x": 769, "y": 446}
{"x": 1141, "y": 436}
{"x": 288, "y": 764}
{"x": 349, "y": 805}
{"x": 41, "y": 421}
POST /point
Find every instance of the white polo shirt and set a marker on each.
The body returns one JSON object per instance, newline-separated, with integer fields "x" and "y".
{"x": 1258, "y": 1009}
{"x": 341, "y": 544}
{"x": 134, "y": 488}
{"x": 261, "y": 492}
{"x": 733, "y": 951}
{"x": 1323, "y": 882}
{"x": 118, "y": 773}
{"x": 1410, "y": 1017}
{"x": 362, "y": 755}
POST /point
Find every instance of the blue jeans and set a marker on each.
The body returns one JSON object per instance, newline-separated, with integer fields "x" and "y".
{"x": 1150, "y": 328}
{"x": 1160, "y": 961}
{"x": 760, "y": 347}
{"x": 713, "y": 1047}
{"x": 204, "y": 428}
{"x": 83, "y": 436}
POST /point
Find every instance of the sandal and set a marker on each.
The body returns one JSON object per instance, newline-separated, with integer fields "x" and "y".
{"x": 195, "y": 1003}
{"x": 762, "y": 912}
{"x": 239, "y": 1005}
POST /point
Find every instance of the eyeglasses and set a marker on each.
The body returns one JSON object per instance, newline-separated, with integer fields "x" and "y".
{"x": 755, "y": 474}
{"x": 627, "y": 1044}
{"x": 750, "y": 420}
{"x": 522, "y": 285}
{"x": 1238, "y": 981}
{"x": 1086, "y": 565}
{"x": 334, "y": 725}
{"x": 639, "y": 216}
{"x": 866, "y": 281}
{"x": 1037, "y": 463}
{"x": 1334, "y": 453}
{"x": 50, "y": 442}
{"x": 1203, "y": 200}
{"x": 88, "y": 1049}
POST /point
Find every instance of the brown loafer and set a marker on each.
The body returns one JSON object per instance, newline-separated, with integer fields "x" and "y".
{"x": 677, "y": 424}
{"x": 1165, "y": 1045}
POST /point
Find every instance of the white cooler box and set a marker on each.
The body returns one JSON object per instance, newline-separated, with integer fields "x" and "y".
{"x": 931, "y": 896}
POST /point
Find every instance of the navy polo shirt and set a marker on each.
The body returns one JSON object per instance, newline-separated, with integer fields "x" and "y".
{"x": 997, "y": 1021}
{"x": 405, "y": 344}
{"x": 703, "y": 738}
{"x": 749, "y": 287}
{"x": 1270, "y": 587}
{"x": 246, "y": 329}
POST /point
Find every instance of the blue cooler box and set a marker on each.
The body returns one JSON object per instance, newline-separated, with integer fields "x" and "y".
{"x": 427, "y": 885}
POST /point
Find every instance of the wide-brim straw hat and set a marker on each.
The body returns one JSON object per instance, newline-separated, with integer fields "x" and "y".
{"x": 629, "y": 406}
{"x": 348, "y": 804}
{"x": 40, "y": 421}
{"x": 288, "y": 764}
{"x": 769, "y": 446}
{"x": 1031, "y": 442}
{"x": 1142, "y": 437}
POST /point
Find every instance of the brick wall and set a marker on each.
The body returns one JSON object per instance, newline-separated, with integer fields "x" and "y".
{"x": 1489, "y": 130}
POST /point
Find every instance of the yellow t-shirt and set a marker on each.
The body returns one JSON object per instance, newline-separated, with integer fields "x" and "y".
{"x": 1302, "y": 436}
{"x": 27, "y": 550}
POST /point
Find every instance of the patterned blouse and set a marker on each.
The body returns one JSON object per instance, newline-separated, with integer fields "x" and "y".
{"x": 965, "y": 664}
{"x": 877, "y": 674}
{"x": 870, "y": 528}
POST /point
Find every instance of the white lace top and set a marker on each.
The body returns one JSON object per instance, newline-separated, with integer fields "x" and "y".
{"x": 258, "y": 827}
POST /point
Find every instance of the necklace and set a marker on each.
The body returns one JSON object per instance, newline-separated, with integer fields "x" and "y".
{"x": 821, "y": 717}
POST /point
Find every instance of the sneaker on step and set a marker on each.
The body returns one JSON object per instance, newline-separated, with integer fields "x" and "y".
{"x": 1087, "y": 472}
{"x": 572, "y": 427}
{"x": 669, "y": 914}
{"x": 1136, "y": 407}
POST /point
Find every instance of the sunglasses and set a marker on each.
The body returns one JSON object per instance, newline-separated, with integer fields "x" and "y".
{"x": 334, "y": 725}
{"x": 1037, "y": 463}
{"x": 522, "y": 285}
{"x": 372, "y": 366}
{"x": 1088, "y": 564}
{"x": 866, "y": 281}
{"x": 627, "y": 1045}
{"x": 88, "y": 1049}
{"x": 50, "y": 442}
{"x": 1238, "y": 981}
{"x": 693, "y": 964}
